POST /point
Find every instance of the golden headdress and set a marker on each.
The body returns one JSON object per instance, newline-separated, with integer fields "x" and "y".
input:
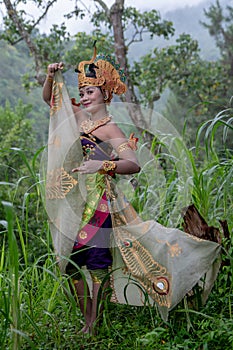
{"x": 107, "y": 75}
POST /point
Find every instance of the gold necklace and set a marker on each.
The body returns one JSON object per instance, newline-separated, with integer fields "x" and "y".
{"x": 87, "y": 126}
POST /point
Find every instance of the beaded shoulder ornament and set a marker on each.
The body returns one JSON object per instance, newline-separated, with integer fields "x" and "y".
{"x": 109, "y": 76}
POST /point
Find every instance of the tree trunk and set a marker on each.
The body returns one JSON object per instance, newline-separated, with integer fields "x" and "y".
{"x": 115, "y": 17}
{"x": 13, "y": 15}
{"x": 25, "y": 35}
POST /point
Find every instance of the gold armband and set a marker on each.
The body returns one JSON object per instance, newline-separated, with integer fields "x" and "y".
{"x": 123, "y": 147}
{"x": 108, "y": 165}
{"x": 131, "y": 144}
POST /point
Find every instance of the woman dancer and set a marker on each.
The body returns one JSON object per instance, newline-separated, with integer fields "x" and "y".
{"x": 162, "y": 262}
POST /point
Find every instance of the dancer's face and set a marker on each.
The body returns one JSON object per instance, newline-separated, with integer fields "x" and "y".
{"x": 91, "y": 97}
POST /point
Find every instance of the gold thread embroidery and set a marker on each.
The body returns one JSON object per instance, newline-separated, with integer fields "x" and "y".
{"x": 56, "y": 98}
{"x": 114, "y": 298}
{"x": 82, "y": 234}
{"x": 103, "y": 208}
{"x": 59, "y": 183}
{"x": 144, "y": 268}
{"x": 110, "y": 190}
{"x": 173, "y": 249}
{"x": 195, "y": 238}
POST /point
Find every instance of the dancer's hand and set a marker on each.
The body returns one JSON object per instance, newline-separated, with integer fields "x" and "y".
{"x": 53, "y": 67}
{"x": 89, "y": 167}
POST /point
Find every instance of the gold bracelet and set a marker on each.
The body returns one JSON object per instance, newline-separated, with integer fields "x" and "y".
{"x": 108, "y": 165}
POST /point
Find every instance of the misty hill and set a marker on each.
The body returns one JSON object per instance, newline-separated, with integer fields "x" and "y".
{"x": 188, "y": 20}
{"x": 185, "y": 20}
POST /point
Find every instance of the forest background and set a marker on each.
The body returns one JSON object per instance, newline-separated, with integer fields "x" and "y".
{"x": 179, "y": 64}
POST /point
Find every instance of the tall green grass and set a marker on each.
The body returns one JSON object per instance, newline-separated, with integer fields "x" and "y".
{"x": 38, "y": 310}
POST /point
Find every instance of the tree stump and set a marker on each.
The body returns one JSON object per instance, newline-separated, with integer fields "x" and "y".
{"x": 195, "y": 225}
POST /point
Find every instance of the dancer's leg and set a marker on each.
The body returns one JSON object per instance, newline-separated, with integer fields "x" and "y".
{"x": 85, "y": 302}
{"x": 98, "y": 296}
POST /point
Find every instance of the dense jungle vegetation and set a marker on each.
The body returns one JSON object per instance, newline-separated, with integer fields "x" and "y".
{"x": 182, "y": 69}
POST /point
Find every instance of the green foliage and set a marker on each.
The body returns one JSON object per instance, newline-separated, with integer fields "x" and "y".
{"x": 220, "y": 27}
{"x": 52, "y": 46}
{"x": 18, "y": 175}
{"x": 15, "y": 27}
{"x": 16, "y": 133}
{"x": 146, "y": 22}
{"x": 213, "y": 186}
{"x": 163, "y": 182}
{"x": 141, "y": 22}
{"x": 15, "y": 129}
{"x": 13, "y": 274}
{"x": 82, "y": 47}
{"x": 9, "y": 77}
{"x": 153, "y": 72}
{"x": 180, "y": 68}
{"x": 15, "y": 63}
